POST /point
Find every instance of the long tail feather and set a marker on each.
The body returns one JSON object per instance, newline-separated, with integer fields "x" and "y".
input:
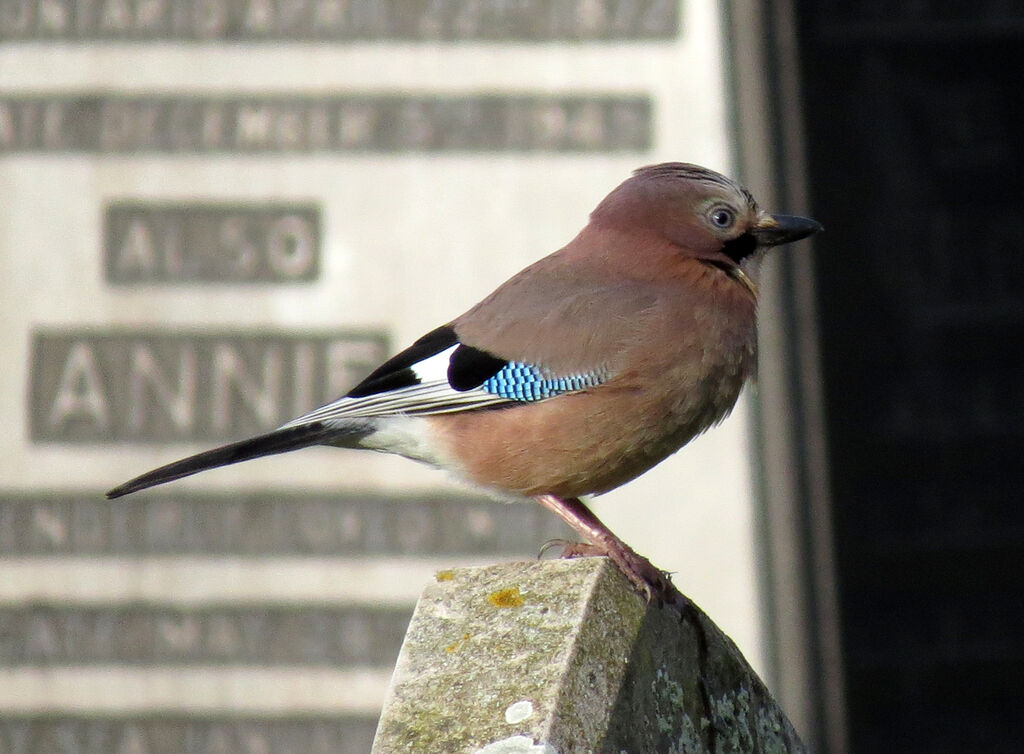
{"x": 278, "y": 441}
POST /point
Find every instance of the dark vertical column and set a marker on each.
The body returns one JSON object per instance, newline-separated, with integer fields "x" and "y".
{"x": 916, "y": 166}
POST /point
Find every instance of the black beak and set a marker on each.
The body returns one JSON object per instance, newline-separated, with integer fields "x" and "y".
{"x": 774, "y": 230}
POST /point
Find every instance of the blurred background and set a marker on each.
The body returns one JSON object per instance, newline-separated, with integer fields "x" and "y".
{"x": 217, "y": 214}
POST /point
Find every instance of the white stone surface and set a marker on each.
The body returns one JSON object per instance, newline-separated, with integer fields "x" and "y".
{"x": 410, "y": 240}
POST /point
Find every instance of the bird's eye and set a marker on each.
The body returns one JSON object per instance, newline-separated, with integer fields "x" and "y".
{"x": 722, "y": 217}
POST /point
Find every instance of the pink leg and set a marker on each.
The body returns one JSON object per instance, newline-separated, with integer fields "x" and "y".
{"x": 651, "y": 582}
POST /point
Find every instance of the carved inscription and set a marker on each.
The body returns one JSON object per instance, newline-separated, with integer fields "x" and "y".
{"x": 44, "y": 635}
{"x": 162, "y": 386}
{"x": 273, "y": 523}
{"x": 337, "y": 20}
{"x": 203, "y": 242}
{"x": 114, "y": 124}
{"x": 167, "y": 734}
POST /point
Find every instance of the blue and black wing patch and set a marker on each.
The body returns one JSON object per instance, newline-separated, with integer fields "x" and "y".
{"x": 527, "y": 382}
{"x": 471, "y": 368}
{"x": 437, "y": 374}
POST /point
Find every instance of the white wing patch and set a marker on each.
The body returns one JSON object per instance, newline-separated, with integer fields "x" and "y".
{"x": 434, "y": 368}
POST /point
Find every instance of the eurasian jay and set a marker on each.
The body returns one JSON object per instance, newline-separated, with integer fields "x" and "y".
{"x": 579, "y": 373}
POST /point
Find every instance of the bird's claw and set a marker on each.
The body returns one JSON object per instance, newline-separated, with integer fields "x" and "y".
{"x": 551, "y": 544}
{"x": 653, "y": 584}
{"x": 571, "y": 549}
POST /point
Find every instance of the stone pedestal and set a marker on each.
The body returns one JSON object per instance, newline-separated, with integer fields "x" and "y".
{"x": 560, "y": 657}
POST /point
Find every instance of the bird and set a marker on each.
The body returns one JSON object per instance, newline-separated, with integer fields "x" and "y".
{"x": 579, "y": 373}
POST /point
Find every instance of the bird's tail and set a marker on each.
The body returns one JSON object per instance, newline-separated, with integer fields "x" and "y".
{"x": 278, "y": 441}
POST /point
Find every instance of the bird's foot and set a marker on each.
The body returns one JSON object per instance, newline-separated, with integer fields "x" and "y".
{"x": 570, "y": 549}
{"x": 654, "y": 584}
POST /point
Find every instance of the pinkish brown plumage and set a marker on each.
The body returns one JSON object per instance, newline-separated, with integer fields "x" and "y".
{"x": 579, "y": 373}
{"x": 669, "y": 385}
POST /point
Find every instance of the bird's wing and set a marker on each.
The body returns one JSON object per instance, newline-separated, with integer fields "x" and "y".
{"x": 443, "y": 373}
{"x": 440, "y": 375}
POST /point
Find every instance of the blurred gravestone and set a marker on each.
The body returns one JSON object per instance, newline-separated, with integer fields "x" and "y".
{"x": 219, "y": 214}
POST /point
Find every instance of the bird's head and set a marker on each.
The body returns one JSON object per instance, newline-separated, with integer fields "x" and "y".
{"x": 700, "y": 213}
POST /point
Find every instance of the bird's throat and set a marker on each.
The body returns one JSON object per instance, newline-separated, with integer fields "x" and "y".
{"x": 740, "y": 247}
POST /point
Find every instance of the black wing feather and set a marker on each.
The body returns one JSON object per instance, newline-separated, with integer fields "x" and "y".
{"x": 396, "y": 372}
{"x": 470, "y": 367}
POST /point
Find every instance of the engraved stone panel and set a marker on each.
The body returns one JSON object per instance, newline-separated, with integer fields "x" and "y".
{"x": 152, "y": 385}
{"x": 147, "y": 242}
{"x": 43, "y": 635}
{"x": 285, "y": 123}
{"x": 337, "y": 20}
{"x": 173, "y": 734}
{"x": 178, "y": 164}
{"x": 264, "y": 523}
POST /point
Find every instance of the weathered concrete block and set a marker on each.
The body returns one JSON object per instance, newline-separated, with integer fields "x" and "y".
{"x": 562, "y": 657}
